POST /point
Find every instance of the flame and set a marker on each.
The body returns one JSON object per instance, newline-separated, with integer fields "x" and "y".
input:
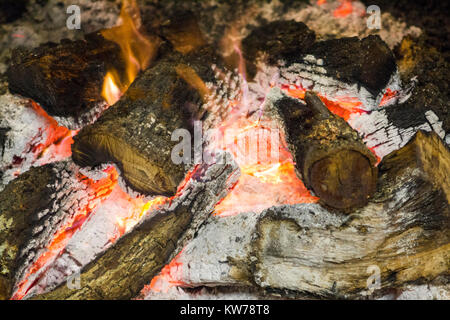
{"x": 136, "y": 48}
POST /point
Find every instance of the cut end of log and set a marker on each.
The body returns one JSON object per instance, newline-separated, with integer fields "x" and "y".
{"x": 345, "y": 179}
{"x": 331, "y": 158}
{"x": 140, "y": 174}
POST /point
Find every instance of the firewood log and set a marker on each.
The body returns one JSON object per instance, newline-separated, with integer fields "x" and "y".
{"x": 403, "y": 233}
{"x": 136, "y": 132}
{"x": 34, "y": 209}
{"x": 123, "y": 270}
{"x": 330, "y": 157}
{"x": 66, "y": 79}
{"x": 19, "y": 203}
{"x": 346, "y": 66}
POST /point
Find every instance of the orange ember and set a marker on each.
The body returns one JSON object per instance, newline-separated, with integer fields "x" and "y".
{"x": 58, "y": 139}
{"x": 167, "y": 278}
{"x": 137, "y": 51}
{"x": 101, "y": 188}
{"x": 340, "y": 106}
{"x": 389, "y": 94}
{"x": 344, "y": 9}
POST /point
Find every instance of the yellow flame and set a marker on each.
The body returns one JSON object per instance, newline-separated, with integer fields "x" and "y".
{"x": 137, "y": 51}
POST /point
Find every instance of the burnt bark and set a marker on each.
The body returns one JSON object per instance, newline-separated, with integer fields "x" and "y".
{"x": 293, "y": 250}
{"x": 366, "y": 62}
{"x": 403, "y": 232}
{"x": 136, "y": 132}
{"x": 123, "y": 270}
{"x": 330, "y": 156}
{"x": 20, "y": 202}
{"x": 65, "y": 79}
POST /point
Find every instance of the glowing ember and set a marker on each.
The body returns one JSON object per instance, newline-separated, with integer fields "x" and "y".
{"x": 344, "y": 9}
{"x": 136, "y": 48}
{"x": 58, "y": 139}
{"x": 101, "y": 188}
{"x": 167, "y": 277}
{"x": 388, "y": 96}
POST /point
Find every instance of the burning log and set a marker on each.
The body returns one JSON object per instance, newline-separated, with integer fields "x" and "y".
{"x": 348, "y": 67}
{"x": 66, "y": 78}
{"x": 330, "y": 156}
{"x": 40, "y": 211}
{"x": 19, "y": 203}
{"x": 402, "y": 235}
{"x": 122, "y": 271}
{"x": 136, "y": 133}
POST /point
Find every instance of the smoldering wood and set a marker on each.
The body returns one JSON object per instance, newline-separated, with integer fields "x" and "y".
{"x": 330, "y": 157}
{"x": 367, "y": 62}
{"x": 19, "y": 203}
{"x": 123, "y": 270}
{"x": 275, "y": 41}
{"x": 404, "y": 232}
{"x": 33, "y": 208}
{"x": 305, "y": 249}
{"x": 136, "y": 132}
{"x": 66, "y": 78}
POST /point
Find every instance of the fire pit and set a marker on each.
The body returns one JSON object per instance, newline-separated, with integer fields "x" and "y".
{"x": 198, "y": 150}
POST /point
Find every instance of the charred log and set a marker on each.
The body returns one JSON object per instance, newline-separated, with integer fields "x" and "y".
{"x": 368, "y": 62}
{"x": 20, "y": 202}
{"x": 275, "y": 41}
{"x": 66, "y": 78}
{"x": 136, "y": 133}
{"x": 305, "y": 249}
{"x": 137, "y": 257}
{"x": 403, "y": 233}
{"x": 330, "y": 156}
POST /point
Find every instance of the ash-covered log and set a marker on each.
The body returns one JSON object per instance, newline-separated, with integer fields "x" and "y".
{"x": 136, "y": 133}
{"x": 66, "y": 78}
{"x": 351, "y": 67}
{"x": 402, "y": 236}
{"x": 330, "y": 156}
{"x": 40, "y": 211}
{"x": 123, "y": 270}
{"x": 19, "y": 203}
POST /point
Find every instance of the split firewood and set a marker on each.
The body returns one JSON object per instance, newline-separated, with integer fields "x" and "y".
{"x": 136, "y": 133}
{"x": 66, "y": 78}
{"x": 330, "y": 157}
{"x": 401, "y": 237}
{"x": 123, "y": 270}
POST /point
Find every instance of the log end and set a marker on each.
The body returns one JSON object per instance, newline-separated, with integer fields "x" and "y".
{"x": 343, "y": 180}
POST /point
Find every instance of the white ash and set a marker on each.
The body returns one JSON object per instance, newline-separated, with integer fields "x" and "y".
{"x": 205, "y": 293}
{"x": 421, "y": 292}
{"x": 84, "y": 119}
{"x": 383, "y": 136}
{"x": 24, "y": 129}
